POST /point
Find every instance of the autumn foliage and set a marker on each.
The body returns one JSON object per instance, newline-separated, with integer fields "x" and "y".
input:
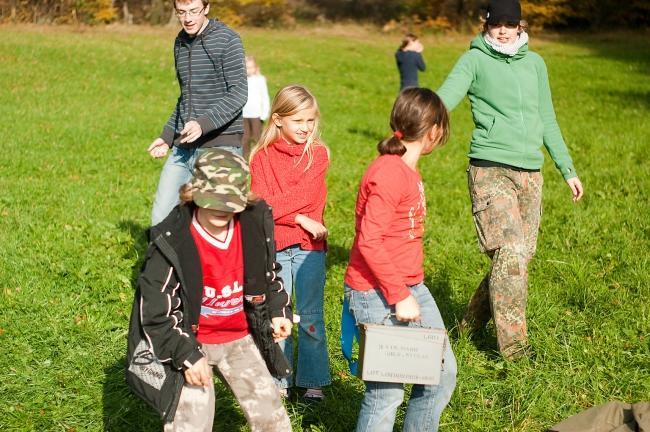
{"x": 436, "y": 15}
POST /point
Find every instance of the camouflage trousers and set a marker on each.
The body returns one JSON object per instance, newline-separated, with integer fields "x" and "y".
{"x": 506, "y": 208}
{"x": 240, "y": 365}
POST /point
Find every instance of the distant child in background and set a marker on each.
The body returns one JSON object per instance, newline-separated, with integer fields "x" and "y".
{"x": 256, "y": 109}
{"x": 288, "y": 169}
{"x": 409, "y": 61}
{"x": 385, "y": 276}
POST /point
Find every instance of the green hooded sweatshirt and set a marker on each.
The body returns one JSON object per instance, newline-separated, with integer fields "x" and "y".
{"x": 511, "y": 105}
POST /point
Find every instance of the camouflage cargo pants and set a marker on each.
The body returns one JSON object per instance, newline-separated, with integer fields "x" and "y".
{"x": 241, "y": 365}
{"x": 506, "y": 208}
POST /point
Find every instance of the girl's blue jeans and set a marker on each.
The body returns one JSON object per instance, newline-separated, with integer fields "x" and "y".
{"x": 381, "y": 400}
{"x": 303, "y": 275}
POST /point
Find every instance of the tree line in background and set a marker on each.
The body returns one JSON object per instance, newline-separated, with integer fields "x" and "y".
{"x": 422, "y": 15}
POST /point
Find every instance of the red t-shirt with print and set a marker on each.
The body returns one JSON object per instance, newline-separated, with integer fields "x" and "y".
{"x": 390, "y": 212}
{"x": 222, "y": 316}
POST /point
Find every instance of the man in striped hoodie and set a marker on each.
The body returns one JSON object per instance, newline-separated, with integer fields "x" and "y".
{"x": 209, "y": 60}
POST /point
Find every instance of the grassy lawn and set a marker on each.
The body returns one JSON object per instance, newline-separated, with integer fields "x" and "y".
{"x": 79, "y": 108}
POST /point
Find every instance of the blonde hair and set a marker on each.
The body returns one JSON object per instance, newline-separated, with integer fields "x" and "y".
{"x": 250, "y": 58}
{"x": 287, "y": 102}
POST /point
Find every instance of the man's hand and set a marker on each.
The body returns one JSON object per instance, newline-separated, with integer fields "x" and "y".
{"x": 316, "y": 229}
{"x": 576, "y": 188}
{"x": 200, "y": 374}
{"x": 191, "y": 132}
{"x": 407, "y": 309}
{"x": 281, "y": 328}
{"x": 158, "y": 148}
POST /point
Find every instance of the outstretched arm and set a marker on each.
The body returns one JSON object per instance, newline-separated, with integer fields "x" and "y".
{"x": 553, "y": 140}
{"x": 458, "y": 82}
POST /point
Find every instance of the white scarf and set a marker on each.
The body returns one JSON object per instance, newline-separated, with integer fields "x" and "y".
{"x": 508, "y": 49}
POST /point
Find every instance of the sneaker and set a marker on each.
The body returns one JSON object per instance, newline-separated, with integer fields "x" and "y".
{"x": 313, "y": 395}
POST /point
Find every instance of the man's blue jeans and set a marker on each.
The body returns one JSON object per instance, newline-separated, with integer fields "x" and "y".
{"x": 177, "y": 171}
{"x": 303, "y": 275}
{"x": 381, "y": 400}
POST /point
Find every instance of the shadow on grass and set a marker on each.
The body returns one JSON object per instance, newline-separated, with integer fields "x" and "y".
{"x": 366, "y": 134}
{"x": 450, "y": 309}
{"x": 338, "y": 413}
{"x": 139, "y": 235}
{"x": 122, "y": 410}
{"x": 452, "y": 312}
{"x": 641, "y": 99}
{"x": 228, "y": 415}
{"x": 635, "y": 51}
{"x": 485, "y": 340}
{"x": 336, "y": 256}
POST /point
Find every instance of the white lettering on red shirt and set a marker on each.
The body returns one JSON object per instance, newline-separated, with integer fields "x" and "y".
{"x": 222, "y": 317}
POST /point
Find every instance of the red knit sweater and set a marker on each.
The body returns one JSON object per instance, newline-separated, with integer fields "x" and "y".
{"x": 278, "y": 176}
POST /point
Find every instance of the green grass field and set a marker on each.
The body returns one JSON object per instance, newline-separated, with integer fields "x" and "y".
{"x": 79, "y": 108}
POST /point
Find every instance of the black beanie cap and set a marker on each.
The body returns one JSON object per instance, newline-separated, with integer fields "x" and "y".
{"x": 499, "y": 11}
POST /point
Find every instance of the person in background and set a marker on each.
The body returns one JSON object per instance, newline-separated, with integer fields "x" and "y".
{"x": 385, "y": 275}
{"x": 256, "y": 109}
{"x": 288, "y": 170}
{"x": 513, "y": 113}
{"x": 209, "y": 61}
{"x": 409, "y": 61}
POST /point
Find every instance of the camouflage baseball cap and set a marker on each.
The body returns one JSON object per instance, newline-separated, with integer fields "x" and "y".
{"x": 220, "y": 181}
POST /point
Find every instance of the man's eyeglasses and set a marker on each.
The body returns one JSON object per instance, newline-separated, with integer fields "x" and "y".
{"x": 189, "y": 13}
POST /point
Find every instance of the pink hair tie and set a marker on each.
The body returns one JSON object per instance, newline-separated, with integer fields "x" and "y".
{"x": 397, "y": 134}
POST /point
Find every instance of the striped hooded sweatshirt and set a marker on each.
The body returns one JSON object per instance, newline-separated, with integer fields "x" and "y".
{"x": 511, "y": 106}
{"x": 212, "y": 77}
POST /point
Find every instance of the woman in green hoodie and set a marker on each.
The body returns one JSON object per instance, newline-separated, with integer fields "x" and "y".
{"x": 513, "y": 114}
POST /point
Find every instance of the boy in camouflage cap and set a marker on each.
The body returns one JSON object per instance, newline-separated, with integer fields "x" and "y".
{"x": 192, "y": 311}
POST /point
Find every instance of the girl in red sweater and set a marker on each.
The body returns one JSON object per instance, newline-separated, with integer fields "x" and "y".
{"x": 288, "y": 168}
{"x": 385, "y": 275}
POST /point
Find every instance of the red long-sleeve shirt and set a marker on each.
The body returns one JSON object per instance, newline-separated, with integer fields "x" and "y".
{"x": 278, "y": 176}
{"x": 390, "y": 212}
